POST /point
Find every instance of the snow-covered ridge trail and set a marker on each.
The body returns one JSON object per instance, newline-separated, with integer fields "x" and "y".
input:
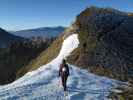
{"x": 44, "y": 83}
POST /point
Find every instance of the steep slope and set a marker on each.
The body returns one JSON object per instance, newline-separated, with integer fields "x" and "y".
{"x": 6, "y": 38}
{"x": 43, "y": 83}
{"x": 45, "y": 32}
{"x": 7, "y": 69}
{"x": 16, "y": 52}
{"x": 106, "y": 42}
{"x": 17, "y": 55}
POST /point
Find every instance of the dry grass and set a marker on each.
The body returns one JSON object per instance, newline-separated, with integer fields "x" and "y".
{"x": 43, "y": 58}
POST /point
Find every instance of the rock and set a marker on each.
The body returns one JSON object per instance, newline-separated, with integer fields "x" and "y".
{"x": 106, "y": 42}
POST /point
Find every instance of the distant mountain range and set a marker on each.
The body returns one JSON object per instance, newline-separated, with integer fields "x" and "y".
{"x": 43, "y": 32}
{"x": 6, "y": 38}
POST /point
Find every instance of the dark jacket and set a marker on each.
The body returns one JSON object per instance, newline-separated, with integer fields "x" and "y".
{"x": 64, "y": 73}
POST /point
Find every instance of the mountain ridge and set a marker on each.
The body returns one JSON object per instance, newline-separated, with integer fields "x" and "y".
{"x": 42, "y": 32}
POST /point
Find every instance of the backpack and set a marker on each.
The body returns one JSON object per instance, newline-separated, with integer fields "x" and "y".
{"x": 64, "y": 69}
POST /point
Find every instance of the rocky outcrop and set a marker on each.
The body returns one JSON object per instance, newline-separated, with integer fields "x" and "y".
{"x": 106, "y": 42}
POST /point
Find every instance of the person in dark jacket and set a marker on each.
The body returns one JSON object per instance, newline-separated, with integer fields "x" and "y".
{"x": 64, "y": 73}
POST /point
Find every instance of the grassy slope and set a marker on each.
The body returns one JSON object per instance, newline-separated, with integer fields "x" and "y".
{"x": 43, "y": 58}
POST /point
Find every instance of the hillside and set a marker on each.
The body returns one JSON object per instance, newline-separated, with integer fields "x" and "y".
{"x": 6, "y": 38}
{"x": 16, "y": 52}
{"x": 45, "y": 32}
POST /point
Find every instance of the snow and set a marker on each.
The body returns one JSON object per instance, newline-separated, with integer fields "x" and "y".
{"x": 44, "y": 83}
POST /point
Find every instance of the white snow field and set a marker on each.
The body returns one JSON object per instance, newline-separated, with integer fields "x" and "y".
{"x": 44, "y": 83}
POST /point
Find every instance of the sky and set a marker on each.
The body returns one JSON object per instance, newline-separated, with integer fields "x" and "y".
{"x": 28, "y": 14}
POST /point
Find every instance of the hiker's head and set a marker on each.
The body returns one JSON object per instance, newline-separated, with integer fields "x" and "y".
{"x": 64, "y": 61}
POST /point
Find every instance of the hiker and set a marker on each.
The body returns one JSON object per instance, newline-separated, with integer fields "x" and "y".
{"x": 64, "y": 73}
